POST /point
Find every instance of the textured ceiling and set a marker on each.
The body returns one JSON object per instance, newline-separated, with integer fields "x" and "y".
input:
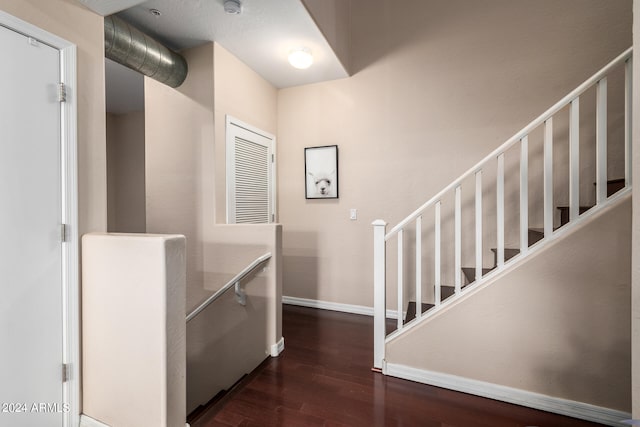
{"x": 261, "y": 36}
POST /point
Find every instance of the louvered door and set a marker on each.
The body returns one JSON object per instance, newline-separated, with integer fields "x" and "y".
{"x": 249, "y": 175}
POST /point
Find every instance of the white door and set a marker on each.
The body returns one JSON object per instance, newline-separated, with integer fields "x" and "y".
{"x": 31, "y": 283}
{"x": 250, "y": 174}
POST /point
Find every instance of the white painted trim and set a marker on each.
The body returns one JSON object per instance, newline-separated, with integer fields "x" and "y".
{"x": 418, "y": 262}
{"x": 520, "y": 397}
{"x": 574, "y": 159}
{"x": 548, "y": 177}
{"x": 524, "y": 194}
{"x": 400, "y": 301}
{"x": 624, "y": 56}
{"x": 87, "y": 421}
{"x": 29, "y": 30}
{"x": 71, "y": 247}
{"x": 69, "y": 185}
{"x": 277, "y": 348}
{"x": 495, "y": 274}
{"x": 230, "y": 160}
{"x": 478, "y": 214}
{"x": 379, "y": 291}
{"x": 336, "y": 306}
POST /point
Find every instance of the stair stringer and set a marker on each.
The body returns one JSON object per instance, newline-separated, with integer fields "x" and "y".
{"x": 555, "y": 322}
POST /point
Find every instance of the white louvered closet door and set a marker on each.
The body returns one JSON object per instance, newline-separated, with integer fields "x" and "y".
{"x": 249, "y": 175}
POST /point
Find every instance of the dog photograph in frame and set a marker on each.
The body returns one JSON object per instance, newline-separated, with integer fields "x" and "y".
{"x": 321, "y": 172}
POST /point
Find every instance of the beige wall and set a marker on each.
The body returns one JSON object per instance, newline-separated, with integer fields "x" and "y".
{"x": 125, "y": 173}
{"x": 635, "y": 272}
{"x": 134, "y": 339}
{"x": 434, "y": 91}
{"x": 185, "y": 146}
{"x": 185, "y": 193}
{"x": 557, "y": 325}
{"x": 178, "y": 136}
{"x": 241, "y": 93}
{"x": 333, "y": 18}
{"x": 78, "y": 25}
{"x": 228, "y": 340}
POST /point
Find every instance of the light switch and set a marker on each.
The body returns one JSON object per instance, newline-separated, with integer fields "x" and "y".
{"x": 353, "y": 214}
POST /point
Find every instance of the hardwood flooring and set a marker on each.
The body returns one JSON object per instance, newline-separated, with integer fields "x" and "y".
{"x": 324, "y": 378}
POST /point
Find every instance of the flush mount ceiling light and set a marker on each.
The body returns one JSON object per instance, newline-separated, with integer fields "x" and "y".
{"x": 232, "y": 7}
{"x": 301, "y": 58}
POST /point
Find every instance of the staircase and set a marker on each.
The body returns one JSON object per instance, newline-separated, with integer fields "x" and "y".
{"x": 535, "y": 235}
{"x": 448, "y": 278}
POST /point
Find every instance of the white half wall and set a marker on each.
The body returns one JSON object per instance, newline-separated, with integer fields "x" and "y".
{"x": 134, "y": 330}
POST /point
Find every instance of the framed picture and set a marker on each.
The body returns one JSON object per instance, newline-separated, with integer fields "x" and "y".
{"x": 321, "y": 172}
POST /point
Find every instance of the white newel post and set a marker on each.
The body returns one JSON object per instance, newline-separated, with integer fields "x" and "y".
{"x": 379, "y": 291}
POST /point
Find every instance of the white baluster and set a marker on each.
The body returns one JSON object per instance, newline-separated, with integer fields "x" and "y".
{"x": 458, "y": 240}
{"x": 438, "y": 277}
{"x": 419, "y": 267}
{"x": 500, "y": 209}
{"x": 524, "y": 194}
{"x": 574, "y": 159}
{"x": 400, "y": 278}
{"x": 478, "y": 225}
{"x": 379, "y": 292}
{"x": 548, "y": 177}
{"x": 628, "y": 102}
{"x": 601, "y": 141}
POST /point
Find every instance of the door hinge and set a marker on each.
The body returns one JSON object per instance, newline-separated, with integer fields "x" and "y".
{"x": 66, "y": 372}
{"x": 273, "y": 158}
{"x": 62, "y": 92}
{"x": 63, "y": 232}
{"x": 273, "y": 217}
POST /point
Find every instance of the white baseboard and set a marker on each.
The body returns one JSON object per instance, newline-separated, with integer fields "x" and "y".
{"x": 543, "y": 402}
{"x": 335, "y": 306}
{"x": 86, "y": 421}
{"x": 277, "y": 348}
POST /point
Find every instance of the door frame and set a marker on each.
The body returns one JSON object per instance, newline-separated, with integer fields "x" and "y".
{"x": 229, "y": 143}
{"x": 69, "y": 185}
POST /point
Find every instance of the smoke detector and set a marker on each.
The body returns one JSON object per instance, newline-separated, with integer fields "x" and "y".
{"x": 232, "y": 7}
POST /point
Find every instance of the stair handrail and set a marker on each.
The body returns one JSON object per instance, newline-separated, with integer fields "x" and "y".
{"x": 235, "y": 281}
{"x": 515, "y": 138}
{"x": 381, "y": 236}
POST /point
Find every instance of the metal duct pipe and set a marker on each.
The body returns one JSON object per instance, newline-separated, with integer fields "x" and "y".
{"x": 132, "y": 48}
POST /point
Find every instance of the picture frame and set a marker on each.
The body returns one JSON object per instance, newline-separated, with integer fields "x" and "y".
{"x": 321, "y": 172}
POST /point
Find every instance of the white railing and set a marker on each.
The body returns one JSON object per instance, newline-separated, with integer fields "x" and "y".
{"x": 234, "y": 282}
{"x": 494, "y": 163}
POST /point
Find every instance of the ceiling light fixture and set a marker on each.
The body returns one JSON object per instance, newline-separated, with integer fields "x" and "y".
{"x": 301, "y": 58}
{"x": 232, "y": 7}
{"x": 155, "y": 12}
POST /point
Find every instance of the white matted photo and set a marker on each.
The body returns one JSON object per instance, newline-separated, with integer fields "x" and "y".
{"x": 321, "y": 172}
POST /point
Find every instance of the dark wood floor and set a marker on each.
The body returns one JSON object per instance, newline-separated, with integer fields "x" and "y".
{"x": 324, "y": 378}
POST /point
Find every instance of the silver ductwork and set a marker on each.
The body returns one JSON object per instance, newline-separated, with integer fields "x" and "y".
{"x": 132, "y": 48}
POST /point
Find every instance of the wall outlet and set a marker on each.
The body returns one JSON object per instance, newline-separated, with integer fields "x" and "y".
{"x": 353, "y": 214}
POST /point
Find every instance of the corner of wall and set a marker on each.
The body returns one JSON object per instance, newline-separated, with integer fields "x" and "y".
{"x": 635, "y": 297}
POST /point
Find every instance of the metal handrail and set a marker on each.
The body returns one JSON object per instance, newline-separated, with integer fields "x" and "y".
{"x": 231, "y": 283}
